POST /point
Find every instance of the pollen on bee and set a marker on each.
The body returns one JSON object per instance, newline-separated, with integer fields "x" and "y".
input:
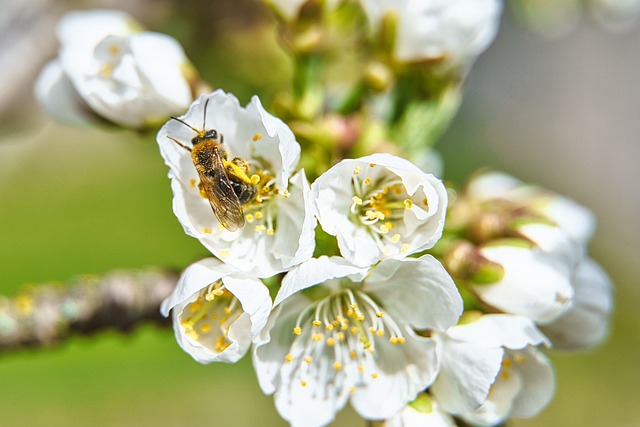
{"x": 257, "y": 137}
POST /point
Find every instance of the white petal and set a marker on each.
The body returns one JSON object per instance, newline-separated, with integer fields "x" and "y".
{"x": 499, "y": 330}
{"x": 578, "y": 221}
{"x": 56, "y": 94}
{"x": 410, "y": 417}
{"x": 534, "y": 284}
{"x": 284, "y": 155}
{"x": 86, "y": 28}
{"x": 255, "y": 300}
{"x": 314, "y": 271}
{"x": 585, "y": 324}
{"x": 417, "y": 290}
{"x": 402, "y": 372}
{"x": 468, "y": 370}
{"x": 538, "y": 382}
{"x": 554, "y": 241}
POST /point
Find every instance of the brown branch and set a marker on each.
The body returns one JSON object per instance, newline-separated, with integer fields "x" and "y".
{"x": 43, "y": 315}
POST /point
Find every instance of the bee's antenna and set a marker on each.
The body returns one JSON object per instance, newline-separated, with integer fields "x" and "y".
{"x": 204, "y": 118}
{"x": 178, "y": 142}
{"x": 186, "y": 124}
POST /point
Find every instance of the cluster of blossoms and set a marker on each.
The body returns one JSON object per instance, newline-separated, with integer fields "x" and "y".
{"x": 421, "y": 310}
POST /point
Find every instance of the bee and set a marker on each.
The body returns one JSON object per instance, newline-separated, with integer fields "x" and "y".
{"x": 224, "y": 183}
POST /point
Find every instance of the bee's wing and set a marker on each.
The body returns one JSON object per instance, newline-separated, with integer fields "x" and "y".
{"x": 222, "y": 198}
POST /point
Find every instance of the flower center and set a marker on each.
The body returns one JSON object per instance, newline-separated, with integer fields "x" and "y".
{"x": 379, "y": 205}
{"x": 339, "y": 333}
{"x": 207, "y": 320}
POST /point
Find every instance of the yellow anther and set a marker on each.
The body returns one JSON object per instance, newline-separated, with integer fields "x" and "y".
{"x": 374, "y": 375}
{"x": 255, "y": 179}
{"x": 393, "y": 340}
{"x": 360, "y": 368}
{"x": 380, "y": 332}
{"x": 372, "y": 329}
{"x": 303, "y": 383}
{"x": 405, "y": 248}
{"x": 214, "y": 316}
{"x": 519, "y": 359}
{"x": 380, "y": 216}
{"x": 505, "y": 374}
{"x": 270, "y": 232}
{"x": 340, "y": 336}
{"x": 337, "y": 366}
{"x": 316, "y": 323}
{"x": 195, "y": 306}
{"x": 289, "y": 357}
{"x": 331, "y": 342}
{"x": 395, "y": 238}
{"x": 259, "y": 198}
{"x": 224, "y": 253}
{"x": 389, "y": 224}
{"x": 353, "y": 354}
{"x": 408, "y": 203}
{"x": 297, "y": 330}
{"x": 206, "y": 231}
{"x": 425, "y": 202}
{"x": 372, "y": 165}
{"x": 193, "y": 334}
{"x": 360, "y": 317}
{"x": 352, "y": 389}
{"x": 205, "y": 327}
{"x": 329, "y": 327}
{"x": 353, "y": 306}
{"x": 402, "y": 340}
{"x": 286, "y": 194}
{"x": 308, "y": 360}
{"x": 221, "y": 227}
{"x": 257, "y": 137}
{"x": 353, "y": 330}
{"x": 379, "y": 314}
{"x": 506, "y": 362}
{"x": 210, "y": 296}
{"x": 384, "y": 229}
{"x": 367, "y": 181}
{"x": 192, "y": 183}
{"x": 260, "y": 228}
{"x": 227, "y": 310}
{"x": 317, "y": 337}
{"x": 356, "y": 171}
{"x": 258, "y": 215}
{"x": 249, "y": 218}
{"x": 357, "y": 200}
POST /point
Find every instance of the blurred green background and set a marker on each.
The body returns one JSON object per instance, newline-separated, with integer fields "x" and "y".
{"x": 562, "y": 113}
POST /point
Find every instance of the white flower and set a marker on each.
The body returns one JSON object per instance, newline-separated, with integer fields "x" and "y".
{"x": 585, "y": 324}
{"x": 535, "y": 285}
{"x": 126, "y": 76}
{"x": 278, "y": 230}
{"x": 350, "y": 335}
{"x": 217, "y": 311}
{"x": 474, "y": 353}
{"x": 380, "y": 206}
{"x": 457, "y": 31}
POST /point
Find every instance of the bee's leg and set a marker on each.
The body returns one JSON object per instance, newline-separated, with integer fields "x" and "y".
{"x": 245, "y": 192}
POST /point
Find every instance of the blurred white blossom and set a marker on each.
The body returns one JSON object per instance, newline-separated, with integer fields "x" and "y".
{"x": 279, "y": 223}
{"x": 456, "y": 32}
{"x": 108, "y": 67}
{"x": 217, "y": 311}
{"x": 380, "y": 206}
{"x": 341, "y": 332}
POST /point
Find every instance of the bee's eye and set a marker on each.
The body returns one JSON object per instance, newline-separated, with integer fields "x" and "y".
{"x": 211, "y": 134}
{"x": 195, "y": 141}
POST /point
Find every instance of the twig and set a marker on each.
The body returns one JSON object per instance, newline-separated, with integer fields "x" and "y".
{"x": 43, "y": 315}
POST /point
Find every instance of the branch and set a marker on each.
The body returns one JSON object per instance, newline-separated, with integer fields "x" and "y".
{"x": 43, "y": 315}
